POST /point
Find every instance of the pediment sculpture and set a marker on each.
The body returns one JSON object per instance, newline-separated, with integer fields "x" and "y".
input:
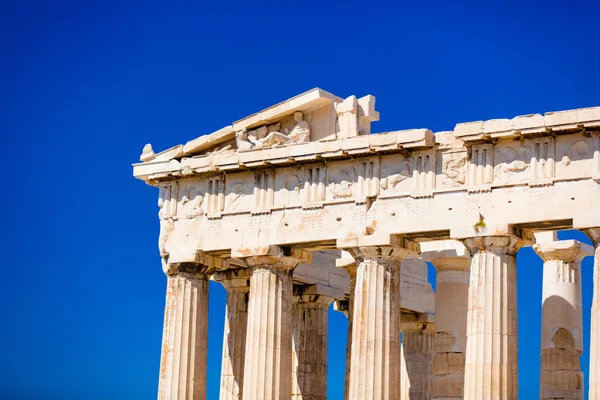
{"x": 270, "y": 136}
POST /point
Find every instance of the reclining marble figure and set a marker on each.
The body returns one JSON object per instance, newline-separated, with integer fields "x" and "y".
{"x": 300, "y": 133}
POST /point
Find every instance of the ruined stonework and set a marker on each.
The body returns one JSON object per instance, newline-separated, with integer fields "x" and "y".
{"x": 302, "y": 205}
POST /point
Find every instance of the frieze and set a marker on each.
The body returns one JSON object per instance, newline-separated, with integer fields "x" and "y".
{"x": 310, "y": 164}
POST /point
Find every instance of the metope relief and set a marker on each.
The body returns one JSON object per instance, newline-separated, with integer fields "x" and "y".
{"x": 289, "y": 184}
{"x": 342, "y": 186}
{"x": 578, "y": 151}
{"x": 512, "y": 163}
{"x": 393, "y": 174}
{"x": 573, "y": 157}
{"x": 235, "y": 195}
{"x": 453, "y": 166}
{"x": 192, "y": 201}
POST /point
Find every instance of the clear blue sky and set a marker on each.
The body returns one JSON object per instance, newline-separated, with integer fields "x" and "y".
{"x": 84, "y": 85}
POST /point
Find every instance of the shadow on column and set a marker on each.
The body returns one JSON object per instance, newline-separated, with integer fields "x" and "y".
{"x": 560, "y": 376}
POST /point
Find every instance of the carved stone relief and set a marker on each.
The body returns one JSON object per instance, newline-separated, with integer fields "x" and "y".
{"x": 293, "y": 182}
{"x": 579, "y": 150}
{"x": 392, "y": 175}
{"x": 512, "y": 163}
{"x": 289, "y": 187}
{"x": 235, "y": 194}
{"x": 192, "y": 202}
{"x": 347, "y": 117}
{"x": 454, "y": 167}
{"x": 341, "y": 185}
{"x": 270, "y": 136}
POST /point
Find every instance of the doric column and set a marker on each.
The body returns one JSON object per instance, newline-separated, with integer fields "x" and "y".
{"x": 417, "y": 356}
{"x": 185, "y": 334}
{"x": 309, "y": 349}
{"x": 562, "y": 336}
{"x": 375, "y": 303}
{"x": 348, "y": 263}
{"x": 491, "y": 355}
{"x": 594, "y": 234}
{"x": 268, "y": 362}
{"x": 237, "y": 284}
{"x": 452, "y": 262}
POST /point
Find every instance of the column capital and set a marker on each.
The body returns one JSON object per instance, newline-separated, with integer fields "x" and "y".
{"x": 342, "y": 306}
{"x": 190, "y": 270}
{"x": 379, "y": 246}
{"x": 568, "y": 251}
{"x": 594, "y": 234}
{"x": 416, "y": 322}
{"x": 202, "y": 263}
{"x": 446, "y": 255}
{"x": 237, "y": 279}
{"x": 276, "y": 257}
{"x": 316, "y": 294}
{"x": 500, "y": 244}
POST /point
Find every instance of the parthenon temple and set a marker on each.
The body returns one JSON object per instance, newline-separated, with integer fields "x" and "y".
{"x": 301, "y": 206}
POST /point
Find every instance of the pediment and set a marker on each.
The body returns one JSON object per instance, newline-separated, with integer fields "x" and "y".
{"x": 323, "y": 114}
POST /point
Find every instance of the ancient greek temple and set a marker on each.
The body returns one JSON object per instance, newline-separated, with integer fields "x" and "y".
{"x": 300, "y": 206}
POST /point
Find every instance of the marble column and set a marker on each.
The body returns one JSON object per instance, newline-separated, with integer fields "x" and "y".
{"x": 562, "y": 336}
{"x": 268, "y": 361}
{"x": 375, "y": 348}
{"x": 417, "y": 356}
{"x": 309, "y": 349}
{"x": 491, "y": 357}
{"x": 237, "y": 284}
{"x": 594, "y": 393}
{"x": 451, "y": 306}
{"x": 185, "y": 334}
{"x": 350, "y": 314}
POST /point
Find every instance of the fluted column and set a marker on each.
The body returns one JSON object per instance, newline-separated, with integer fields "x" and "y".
{"x": 185, "y": 334}
{"x": 452, "y": 262}
{"x": 594, "y": 393}
{"x": 492, "y": 354}
{"x": 309, "y": 349}
{"x": 375, "y": 348}
{"x": 348, "y": 263}
{"x": 417, "y": 354}
{"x": 562, "y": 336}
{"x": 350, "y": 313}
{"x": 268, "y": 362}
{"x": 237, "y": 284}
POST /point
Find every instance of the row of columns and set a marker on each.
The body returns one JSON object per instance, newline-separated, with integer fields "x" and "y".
{"x": 274, "y": 331}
